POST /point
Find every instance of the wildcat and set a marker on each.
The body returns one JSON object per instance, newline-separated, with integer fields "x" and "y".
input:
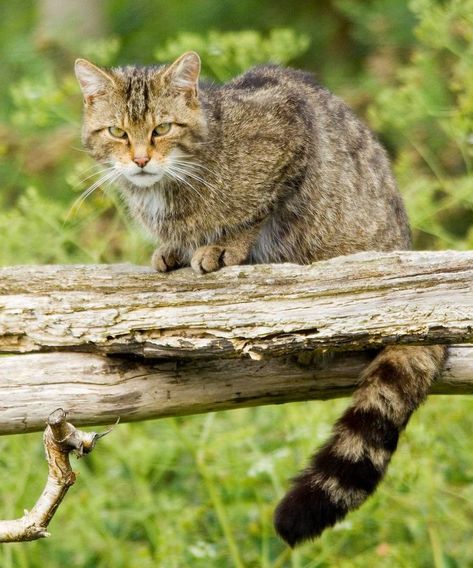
{"x": 270, "y": 167}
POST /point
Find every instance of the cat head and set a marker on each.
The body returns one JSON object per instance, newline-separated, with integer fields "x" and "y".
{"x": 142, "y": 121}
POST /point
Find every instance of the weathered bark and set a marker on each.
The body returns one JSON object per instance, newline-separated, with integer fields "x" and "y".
{"x": 345, "y": 303}
{"x": 184, "y": 343}
{"x": 97, "y": 389}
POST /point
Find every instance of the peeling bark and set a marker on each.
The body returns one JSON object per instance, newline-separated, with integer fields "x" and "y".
{"x": 97, "y": 389}
{"x": 345, "y": 303}
{"x": 183, "y": 343}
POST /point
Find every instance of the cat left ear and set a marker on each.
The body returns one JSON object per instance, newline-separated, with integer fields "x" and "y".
{"x": 92, "y": 80}
{"x": 184, "y": 72}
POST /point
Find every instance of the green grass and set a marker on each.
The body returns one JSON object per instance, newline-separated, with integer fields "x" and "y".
{"x": 200, "y": 491}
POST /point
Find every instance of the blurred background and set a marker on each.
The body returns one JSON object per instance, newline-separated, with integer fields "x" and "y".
{"x": 200, "y": 491}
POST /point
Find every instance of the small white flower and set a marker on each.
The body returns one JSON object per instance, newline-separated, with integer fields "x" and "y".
{"x": 264, "y": 465}
{"x": 202, "y": 549}
{"x": 344, "y": 525}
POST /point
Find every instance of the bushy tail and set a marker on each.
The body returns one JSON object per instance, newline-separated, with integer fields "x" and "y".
{"x": 346, "y": 471}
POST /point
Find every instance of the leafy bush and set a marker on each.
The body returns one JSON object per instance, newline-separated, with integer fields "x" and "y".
{"x": 225, "y": 55}
{"x": 425, "y": 111}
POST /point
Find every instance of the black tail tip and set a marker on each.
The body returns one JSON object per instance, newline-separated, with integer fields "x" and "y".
{"x": 304, "y": 512}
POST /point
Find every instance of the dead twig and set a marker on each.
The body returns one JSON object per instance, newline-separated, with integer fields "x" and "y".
{"x": 60, "y": 439}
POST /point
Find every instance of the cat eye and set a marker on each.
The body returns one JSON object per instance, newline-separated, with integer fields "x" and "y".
{"x": 117, "y": 132}
{"x": 162, "y": 129}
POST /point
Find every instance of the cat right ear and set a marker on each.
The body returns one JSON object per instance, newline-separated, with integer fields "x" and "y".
{"x": 184, "y": 72}
{"x": 92, "y": 80}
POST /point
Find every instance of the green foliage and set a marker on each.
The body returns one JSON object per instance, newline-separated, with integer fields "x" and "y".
{"x": 426, "y": 113}
{"x": 200, "y": 491}
{"x": 225, "y": 55}
{"x": 379, "y": 23}
{"x": 39, "y": 230}
{"x": 41, "y": 104}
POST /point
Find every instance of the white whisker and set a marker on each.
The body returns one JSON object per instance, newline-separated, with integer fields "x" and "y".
{"x": 79, "y": 149}
{"x": 108, "y": 177}
{"x": 202, "y": 143}
{"x": 176, "y": 175}
{"x": 183, "y": 171}
{"x": 194, "y": 176}
{"x": 190, "y": 164}
{"x": 81, "y": 181}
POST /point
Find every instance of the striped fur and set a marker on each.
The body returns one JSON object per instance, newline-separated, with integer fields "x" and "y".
{"x": 270, "y": 167}
{"x": 348, "y": 468}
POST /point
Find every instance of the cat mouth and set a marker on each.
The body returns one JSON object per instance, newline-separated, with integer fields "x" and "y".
{"x": 144, "y": 179}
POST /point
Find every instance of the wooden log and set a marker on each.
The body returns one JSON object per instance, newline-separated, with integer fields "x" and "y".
{"x": 96, "y": 389}
{"x": 354, "y": 302}
{"x": 124, "y": 341}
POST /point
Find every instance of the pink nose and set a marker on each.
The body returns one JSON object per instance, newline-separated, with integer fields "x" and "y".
{"x": 141, "y": 161}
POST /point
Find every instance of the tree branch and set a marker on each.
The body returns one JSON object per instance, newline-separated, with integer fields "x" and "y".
{"x": 184, "y": 343}
{"x": 60, "y": 439}
{"x": 345, "y": 303}
{"x": 97, "y": 389}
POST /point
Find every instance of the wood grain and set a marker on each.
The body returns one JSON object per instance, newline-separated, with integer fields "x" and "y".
{"x": 109, "y": 341}
{"x": 96, "y": 389}
{"x": 349, "y": 302}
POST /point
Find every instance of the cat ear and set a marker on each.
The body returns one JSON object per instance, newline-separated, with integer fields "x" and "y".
{"x": 92, "y": 80}
{"x": 184, "y": 72}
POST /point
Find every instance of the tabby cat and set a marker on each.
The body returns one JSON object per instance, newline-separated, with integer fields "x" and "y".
{"x": 270, "y": 167}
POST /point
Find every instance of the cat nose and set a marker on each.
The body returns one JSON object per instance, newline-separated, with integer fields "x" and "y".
{"x": 141, "y": 161}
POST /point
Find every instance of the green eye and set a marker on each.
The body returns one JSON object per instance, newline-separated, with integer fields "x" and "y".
{"x": 162, "y": 129}
{"x": 117, "y": 132}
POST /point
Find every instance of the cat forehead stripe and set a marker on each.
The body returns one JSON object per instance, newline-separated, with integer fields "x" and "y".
{"x": 137, "y": 93}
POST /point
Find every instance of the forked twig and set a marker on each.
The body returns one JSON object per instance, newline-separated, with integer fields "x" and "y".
{"x": 60, "y": 439}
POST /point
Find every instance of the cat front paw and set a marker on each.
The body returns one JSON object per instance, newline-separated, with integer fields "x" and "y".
{"x": 165, "y": 259}
{"x": 213, "y": 257}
